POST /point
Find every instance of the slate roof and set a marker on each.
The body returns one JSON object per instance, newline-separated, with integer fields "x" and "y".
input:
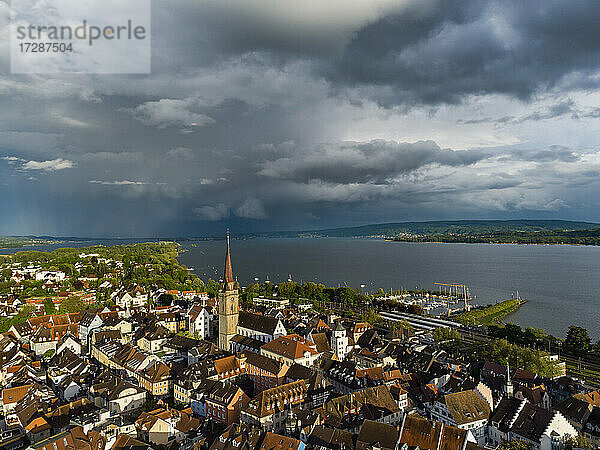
{"x": 262, "y": 362}
{"x": 88, "y": 318}
{"x": 505, "y": 412}
{"x": 376, "y": 434}
{"x": 258, "y": 322}
{"x": 592, "y": 424}
{"x": 575, "y": 410}
{"x": 532, "y": 422}
{"x": 247, "y": 342}
{"x": 331, "y": 438}
{"x": 298, "y": 372}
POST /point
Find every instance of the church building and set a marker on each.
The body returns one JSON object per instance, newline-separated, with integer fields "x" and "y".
{"x": 228, "y": 303}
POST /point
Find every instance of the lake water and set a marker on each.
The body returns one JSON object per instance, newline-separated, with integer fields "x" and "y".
{"x": 561, "y": 282}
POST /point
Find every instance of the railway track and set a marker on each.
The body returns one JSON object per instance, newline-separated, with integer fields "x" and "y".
{"x": 584, "y": 369}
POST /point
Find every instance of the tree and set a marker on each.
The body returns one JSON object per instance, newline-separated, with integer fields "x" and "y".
{"x": 515, "y": 445}
{"x": 578, "y": 340}
{"x": 402, "y": 325}
{"x": 513, "y": 332}
{"x": 6, "y": 274}
{"x": 370, "y": 316}
{"x": 415, "y": 309}
{"x": 345, "y": 295}
{"x": 534, "y": 336}
{"x": 287, "y": 289}
{"x": 72, "y": 304}
{"x": 578, "y": 442}
{"x": 446, "y": 334}
{"x": 27, "y": 310}
{"x": 165, "y": 299}
{"x": 501, "y": 351}
{"x": 49, "y": 307}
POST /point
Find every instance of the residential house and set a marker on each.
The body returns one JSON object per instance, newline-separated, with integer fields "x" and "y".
{"x": 466, "y": 410}
{"x": 291, "y": 349}
{"x": 419, "y": 433}
{"x": 349, "y": 411}
{"x": 520, "y": 420}
{"x": 270, "y": 409}
{"x": 156, "y": 379}
{"x": 90, "y": 321}
{"x": 161, "y": 426}
{"x": 200, "y": 320}
{"x": 133, "y": 298}
{"x": 117, "y": 395}
{"x": 377, "y": 435}
{"x": 224, "y": 403}
{"x": 154, "y": 339}
{"x": 264, "y": 372}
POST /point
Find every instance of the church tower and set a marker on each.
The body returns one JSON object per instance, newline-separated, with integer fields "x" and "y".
{"x": 339, "y": 342}
{"x": 508, "y": 387}
{"x": 228, "y": 303}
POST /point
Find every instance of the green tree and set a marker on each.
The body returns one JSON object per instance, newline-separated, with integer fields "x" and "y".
{"x": 402, "y": 325}
{"x": 345, "y": 295}
{"x": 6, "y": 274}
{"x": 443, "y": 334}
{"x": 578, "y": 442}
{"x": 49, "y": 307}
{"x": 27, "y": 310}
{"x": 515, "y": 445}
{"x": 534, "y": 336}
{"x": 371, "y": 316}
{"x": 72, "y": 304}
{"x": 578, "y": 340}
{"x": 287, "y": 289}
{"x": 501, "y": 351}
{"x": 513, "y": 332}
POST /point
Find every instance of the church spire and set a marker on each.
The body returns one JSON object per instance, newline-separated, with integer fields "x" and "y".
{"x": 228, "y": 275}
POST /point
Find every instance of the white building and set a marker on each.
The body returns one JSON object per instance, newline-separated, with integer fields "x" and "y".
{"x": 200, "y": 321}
{"x": 339, "y": 342}
{"x": 131, "y": 299}
{"x": 516, "y": 419}
{"x": 466, "y": 410}
{"x": 260, "y": 327}
{"x": 88, "y": 323}
{"x": 271, "y": 302}
{"x": 46, "y": 275}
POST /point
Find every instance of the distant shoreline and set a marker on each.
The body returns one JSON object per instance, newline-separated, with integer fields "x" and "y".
{"x": 490, "y": 243}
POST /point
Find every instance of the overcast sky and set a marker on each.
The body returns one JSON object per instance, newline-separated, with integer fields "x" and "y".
{"x": 305, "y": 114}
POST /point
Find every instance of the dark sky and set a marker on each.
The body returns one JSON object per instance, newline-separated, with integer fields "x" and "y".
{"x": 268, "y": 115}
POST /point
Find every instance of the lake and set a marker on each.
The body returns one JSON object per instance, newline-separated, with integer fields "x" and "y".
{"x": 561, "y": 282}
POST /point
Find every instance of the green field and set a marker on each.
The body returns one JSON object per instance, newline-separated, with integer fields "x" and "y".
{"x": 490, "y": 315}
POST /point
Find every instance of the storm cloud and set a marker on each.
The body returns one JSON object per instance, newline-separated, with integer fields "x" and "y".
{"x": 373, "y": 161}
{"x": 303, "y": 115}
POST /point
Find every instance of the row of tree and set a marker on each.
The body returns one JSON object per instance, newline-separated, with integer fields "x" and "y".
{"x": 577, "y": 342}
